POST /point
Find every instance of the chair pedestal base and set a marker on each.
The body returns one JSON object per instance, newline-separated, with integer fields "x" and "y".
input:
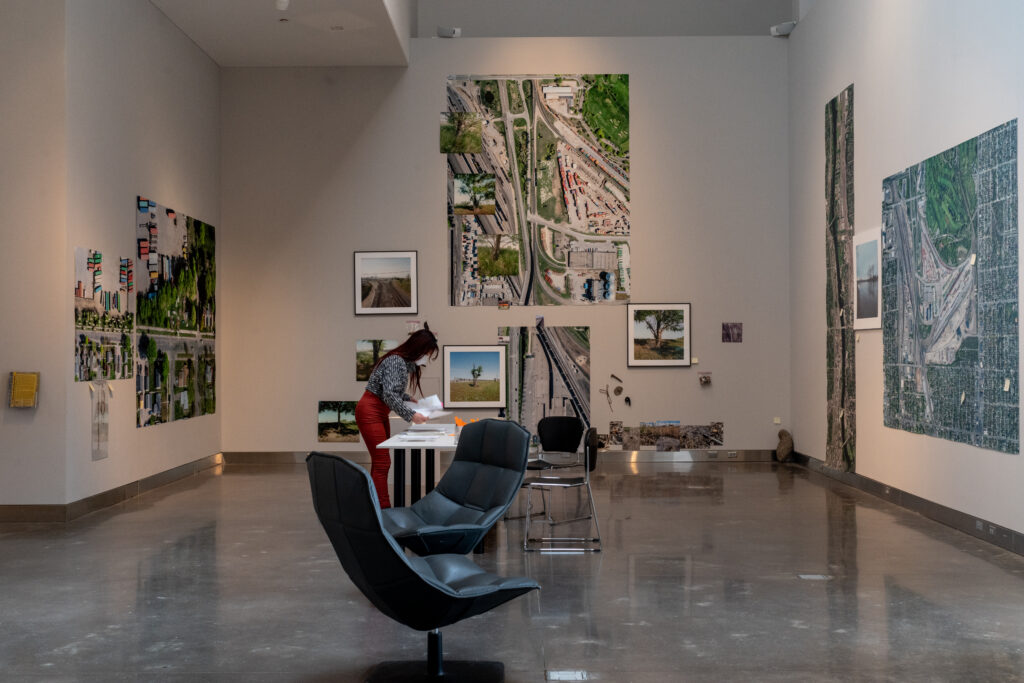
{"x": 454, "y": 671}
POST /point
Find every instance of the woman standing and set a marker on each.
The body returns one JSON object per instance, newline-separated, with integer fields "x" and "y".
{"x": 399, "y": 369}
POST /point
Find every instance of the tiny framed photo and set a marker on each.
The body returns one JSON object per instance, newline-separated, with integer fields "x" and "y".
{"x": 867, "y": 259}
{"x": 658, "y": 334}
{"x": 474, "y": 376}
{"x": 385, "y": 282}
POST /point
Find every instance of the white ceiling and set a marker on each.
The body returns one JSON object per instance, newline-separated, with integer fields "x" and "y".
{"x": 316, "y": 33}
{"x": 534, "y": 18}
{"x": 376, "y": 32}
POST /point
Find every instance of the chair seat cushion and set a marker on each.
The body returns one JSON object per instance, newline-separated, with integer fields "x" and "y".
{"x": 554, "y": 481}
{"x": 465, "y": 577}
{"x": 413, "y": 532}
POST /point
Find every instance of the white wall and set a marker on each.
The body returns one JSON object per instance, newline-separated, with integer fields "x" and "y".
{"x": 143, "y": 118}
{"x": 102, "y": 100}
{"x": 927, "y": 75}
{"x": 318, "y": 163}
{"x": 34, "y": 300}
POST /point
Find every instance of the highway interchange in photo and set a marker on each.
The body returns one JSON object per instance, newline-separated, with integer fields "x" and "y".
{"x": 549, "y": 372}
{"x": 561, "y": 226}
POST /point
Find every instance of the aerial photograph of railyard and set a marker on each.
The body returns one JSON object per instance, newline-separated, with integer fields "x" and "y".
{"x": 949, "y": 294}
{"x": 549, "y": 371}
{"x": 556, "y": 228}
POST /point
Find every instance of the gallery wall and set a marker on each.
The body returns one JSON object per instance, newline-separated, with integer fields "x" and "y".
{"x": 319, "y": 163}
{"x": 143, "y": 119}
{"x": 32, "y": 240}
{"x": 927, "y": 75}
{"x": 103, "y": 100}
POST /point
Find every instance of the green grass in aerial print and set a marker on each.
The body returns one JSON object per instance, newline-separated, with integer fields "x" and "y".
{"x": 606, "y": 109}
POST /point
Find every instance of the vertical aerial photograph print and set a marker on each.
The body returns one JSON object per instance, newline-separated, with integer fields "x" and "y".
{"x": 176, "y": 314}
{"x": 551, "y": 225}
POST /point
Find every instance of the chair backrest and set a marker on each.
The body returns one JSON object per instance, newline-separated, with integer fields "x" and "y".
{"x": 487, "y": 468}
{"x": 560, "y": 433}
{"x": 346, "y": 504}
{"x": 590, "y": 449}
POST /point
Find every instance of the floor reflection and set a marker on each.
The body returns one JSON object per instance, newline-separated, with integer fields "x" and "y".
{"x": 177, "y": 600}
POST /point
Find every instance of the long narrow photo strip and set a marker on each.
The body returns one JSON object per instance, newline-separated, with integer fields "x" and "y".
{"x": 840, "y": 394}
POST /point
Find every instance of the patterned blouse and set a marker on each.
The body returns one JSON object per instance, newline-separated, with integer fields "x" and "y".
{"x": 388, "y": 382}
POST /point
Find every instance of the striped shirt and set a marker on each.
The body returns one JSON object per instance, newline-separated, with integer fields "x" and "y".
{"x": 388, "y": 382}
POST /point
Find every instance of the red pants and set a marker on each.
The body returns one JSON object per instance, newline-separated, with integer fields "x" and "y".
{"x": 375, "y": 427}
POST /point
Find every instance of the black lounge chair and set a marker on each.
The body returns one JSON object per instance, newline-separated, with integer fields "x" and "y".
{"x": 423, "y": 593}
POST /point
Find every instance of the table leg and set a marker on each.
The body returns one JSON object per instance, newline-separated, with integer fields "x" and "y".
{"x": 415, "y": 475}
{"x": 398, "y": 495}
{"x": 430, "y": 470}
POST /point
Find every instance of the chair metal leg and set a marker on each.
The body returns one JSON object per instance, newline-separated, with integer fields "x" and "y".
{"x": 559, "y": 543}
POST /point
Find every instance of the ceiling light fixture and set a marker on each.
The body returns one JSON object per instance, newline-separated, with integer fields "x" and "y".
{"x": 281, "y": 5}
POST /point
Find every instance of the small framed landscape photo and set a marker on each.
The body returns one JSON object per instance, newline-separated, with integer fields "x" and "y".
{"x": 658, "y": 334}
{"x": 867, "y": 259}
{"x": 336, "y": 422}
{"x": 385, "y": 282}
{"x": 474, "y": 376}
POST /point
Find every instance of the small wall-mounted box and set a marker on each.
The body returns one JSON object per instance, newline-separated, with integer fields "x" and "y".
{"x": 24, "y": 389}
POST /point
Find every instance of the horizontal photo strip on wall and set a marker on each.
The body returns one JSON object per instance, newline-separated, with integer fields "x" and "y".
{"x": 385, "y": 282}
{"x": 474, "y": 376}
{"x": 658, "y": 334}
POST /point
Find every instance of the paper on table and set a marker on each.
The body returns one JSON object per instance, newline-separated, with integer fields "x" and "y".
{"x": 430, "y": 407}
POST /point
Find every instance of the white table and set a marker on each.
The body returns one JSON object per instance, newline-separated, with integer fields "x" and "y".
{"x": 428, "y": 438}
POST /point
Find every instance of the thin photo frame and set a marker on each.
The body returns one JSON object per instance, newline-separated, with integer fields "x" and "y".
{"x": 658, "y": 335}
{"x": 385, "y": 282}
{"x": 474, "y": 376}
{"x": 867, "y": 279}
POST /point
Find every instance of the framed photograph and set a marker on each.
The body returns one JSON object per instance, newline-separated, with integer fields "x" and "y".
{"x": 368, "y": 352}
{"x": 474, "y": 376}
{"x": 385, "y": 282}
{"x": 658, "y": 334}
{"x": 336, "y": 422}
{"x": 867, "y": 302}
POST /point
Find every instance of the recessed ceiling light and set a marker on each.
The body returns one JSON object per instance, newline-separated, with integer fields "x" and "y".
{"x": 281, "y": 5}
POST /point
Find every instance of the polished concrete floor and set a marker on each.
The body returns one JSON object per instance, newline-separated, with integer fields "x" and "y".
{"x": 710, "y": 572}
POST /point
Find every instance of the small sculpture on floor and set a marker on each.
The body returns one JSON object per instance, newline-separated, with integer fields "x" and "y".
{"x": 784, "y": 451}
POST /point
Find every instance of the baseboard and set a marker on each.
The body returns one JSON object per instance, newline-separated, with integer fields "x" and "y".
{"x": 79, "y": 508}
{"x": 982, "y": 529}
{"x": 286, "y": 457}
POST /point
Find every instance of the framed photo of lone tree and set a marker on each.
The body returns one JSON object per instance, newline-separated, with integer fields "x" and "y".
{"x": 385, "y": 282}
{"x": 474, "y": 376}
{"x": 658, "y": 334}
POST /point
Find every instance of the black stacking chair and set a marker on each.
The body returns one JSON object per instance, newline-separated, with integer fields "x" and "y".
{"x": 559, "y": 437}
{"x": 423, "y": 593}
{"x": 554, "y": 480}
{"x": 473, "y": 494}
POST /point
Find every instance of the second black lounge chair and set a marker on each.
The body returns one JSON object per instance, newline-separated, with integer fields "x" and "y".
{"x": 473, "y": 494}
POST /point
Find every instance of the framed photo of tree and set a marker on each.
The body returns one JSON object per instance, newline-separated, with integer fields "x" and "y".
{"x": 658, "y": 334}
{"x": 474, "y": 376}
